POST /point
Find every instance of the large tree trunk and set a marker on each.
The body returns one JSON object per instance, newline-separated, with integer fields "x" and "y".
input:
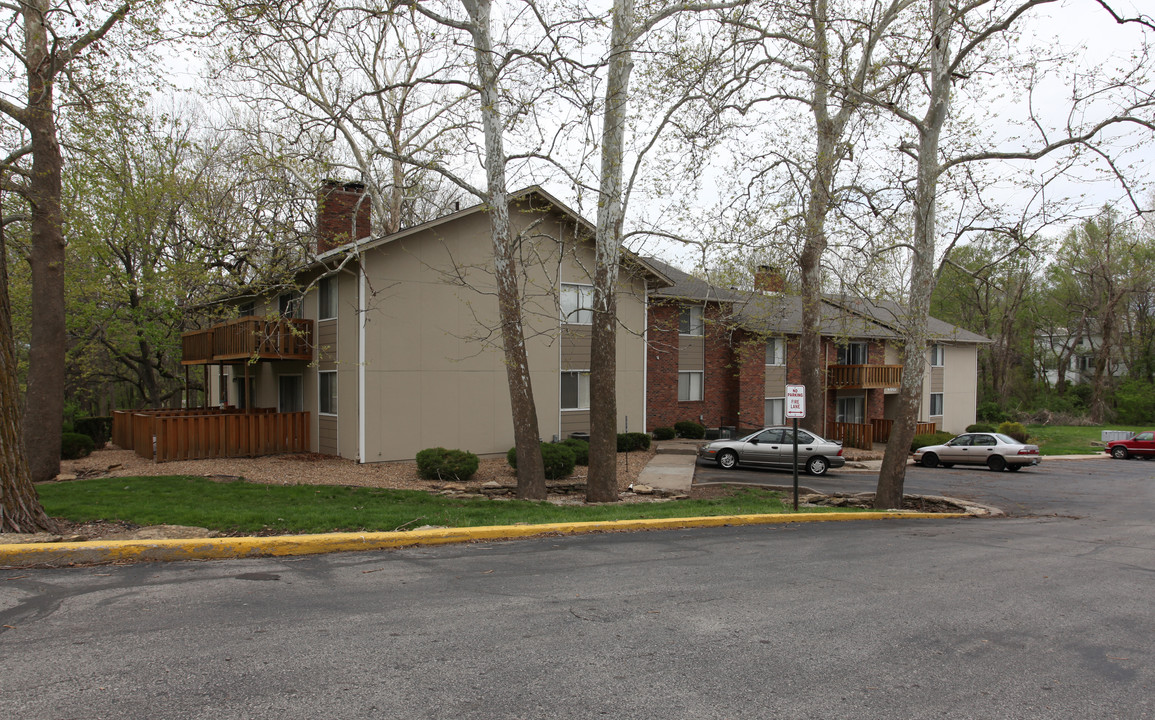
{"x": 20, "y": 509}
{"x": 44, "y": 403}
{"x": 810, "y": 357}
{"x": 527, "y": 437}
{"x": 893, "y": 473}
{"x": 602, "y": 483}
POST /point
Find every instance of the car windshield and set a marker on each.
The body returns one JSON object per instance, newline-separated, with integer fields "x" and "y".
{"x": 1007, "y": 439}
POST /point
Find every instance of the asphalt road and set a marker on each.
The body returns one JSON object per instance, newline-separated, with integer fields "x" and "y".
{"x": 1047, "y": 614}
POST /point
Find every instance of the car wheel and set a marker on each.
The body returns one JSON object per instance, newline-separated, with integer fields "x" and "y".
{"x": 997, "y": 463}
{"x": 817, "y": 465}
{"x": 1014, "y": 468}
{"x": 1119, "y": 452}
{"x": 727, "y": 459}
{"x": 930, "y": 460}
{"x": 947, "y": 465}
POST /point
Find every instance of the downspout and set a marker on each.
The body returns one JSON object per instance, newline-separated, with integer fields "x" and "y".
{"x": 361, "y": 361}
{"x": 645, "y": 355}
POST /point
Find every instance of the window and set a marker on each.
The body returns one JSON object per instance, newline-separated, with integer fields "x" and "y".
{"x": 290, "y": 304}
{"x": 690, "y": 321}
{"x": 773, "y": 437}
{"x": 776, "y": 351}
{"x": 577, "y": 302}
{"x": 1144, "y": 436}
{"x": 852, "y": 353}
{"x": 575, "y": 391}
{"x": 937, "y": 355}
{"x": 1084, "y": 363}
{"x": 327, "y": 389}
{"x": 289, "y": 396}
{"x": 775, "y": 411}
{"x": 851, "y": 410}
{"x": 935, "y": 404}
{"x": 327, "y": 300}
{"x": 689, "y": 386}
{"x": 247, "y": 309}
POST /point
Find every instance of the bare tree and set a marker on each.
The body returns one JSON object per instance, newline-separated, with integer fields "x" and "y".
{"x": 955, "y": 45}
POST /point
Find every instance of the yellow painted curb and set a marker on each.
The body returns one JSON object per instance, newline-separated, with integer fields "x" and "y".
{"x": 80, "y": 553}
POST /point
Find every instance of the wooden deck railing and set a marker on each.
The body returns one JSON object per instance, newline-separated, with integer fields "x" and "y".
{"x": 247, "y": 337}
{"x": 125, "y": 423}
{"x": 864, "y": 376}
{"x": 883, "y": 426}
{"x": 859, "y": 435}
{"x": 165, "y": 437}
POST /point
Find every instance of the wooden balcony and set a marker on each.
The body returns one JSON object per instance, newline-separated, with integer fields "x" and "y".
{"x": 863, "y": 377}
{"x": 249, "y": 338}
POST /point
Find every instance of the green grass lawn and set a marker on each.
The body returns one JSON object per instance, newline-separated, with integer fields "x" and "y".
{"x": 249, "y": 507}
{"x": 1070, "y": 439}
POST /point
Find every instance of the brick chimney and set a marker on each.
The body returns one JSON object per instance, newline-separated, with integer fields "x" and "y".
{"x": 343, "y": 214}
{"x": 769, "y": 279}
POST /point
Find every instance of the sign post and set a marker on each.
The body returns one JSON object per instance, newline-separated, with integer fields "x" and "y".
{"x": 795, "y": 408}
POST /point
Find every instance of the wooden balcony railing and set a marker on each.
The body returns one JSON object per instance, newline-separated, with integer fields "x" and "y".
{"x": 210, "y": 433}
{"x": 249, "y": 337}
{"x": 882, "y": 429}
{"x": 864, "y": 376}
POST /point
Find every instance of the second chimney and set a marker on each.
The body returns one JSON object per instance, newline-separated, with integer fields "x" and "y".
{"x": 343, "y": 214}
{"x": 768, "y": 278}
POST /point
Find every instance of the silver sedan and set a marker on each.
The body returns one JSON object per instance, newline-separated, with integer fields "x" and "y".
{"x": 995, "y": 450}
{"x": 774, "y": 447}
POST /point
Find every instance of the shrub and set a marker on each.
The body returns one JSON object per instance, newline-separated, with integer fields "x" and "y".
{"x": 1015, "y": 430}
{"x": 97, "y": 428}
{"x": 441, "y": 464}
{"x": 581, "y": 450}
{"x": 690, "y": 429}
{"x": 981, "y": 427}
{"x": 75, "y": 445}
{"x": 1135, "y": 402}
{"x": 629, "y": 442}
{"x": 558, "y": 458}
{"x": 937, "y": 438}
{"x": 664, "y": 433}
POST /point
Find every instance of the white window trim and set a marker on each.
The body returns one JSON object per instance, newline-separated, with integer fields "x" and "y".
{"x": 941, "y": 404}
{"x": 937, "y": 355}
{"x": 319, "y": 374}
{"x": 701, "y": 385}
{"x": 767, "y": 421}
{"x": 580, "y": 309}
{"x": 332, "y": 281}
{"x": 701, "y": 320}
{"x": 780, "y": 343}
{"x": 579, "y": 373}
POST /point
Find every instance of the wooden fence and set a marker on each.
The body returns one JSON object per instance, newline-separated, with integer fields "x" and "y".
{"x": 859, "y": 435}
{"x": 203, "y": 433}
{"x": 882, "y": 429}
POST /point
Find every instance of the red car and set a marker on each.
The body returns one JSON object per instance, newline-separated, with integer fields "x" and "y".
{"x": 1142, "y": 445}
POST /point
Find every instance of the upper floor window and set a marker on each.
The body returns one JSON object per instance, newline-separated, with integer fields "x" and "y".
{"x": 690, "y": 321}
{"x": 937, "y": 355}
{"x": 853, "y": 353}
{"x": 247, "y": 309}
{"x": 776, "y": 351}
{"x": 690, "y": 386}
{"x": 327, "y": 298}
{"x": 290, "y": 304}
{"x": 577, "y": 303}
